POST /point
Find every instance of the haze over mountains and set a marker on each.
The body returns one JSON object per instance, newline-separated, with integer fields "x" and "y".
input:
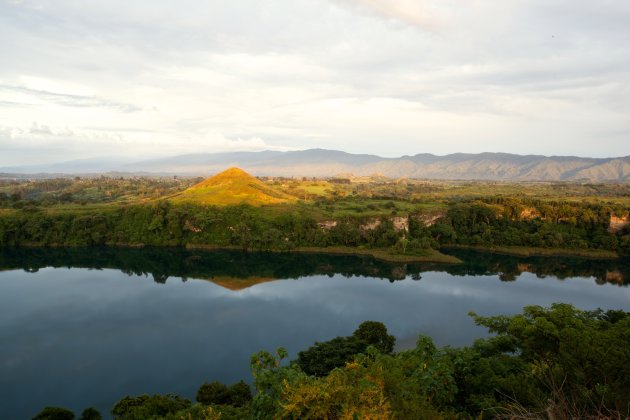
{"x": 329, "y": 163}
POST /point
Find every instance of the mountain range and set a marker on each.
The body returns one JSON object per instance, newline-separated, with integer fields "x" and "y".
{"x": 331, "y": 163}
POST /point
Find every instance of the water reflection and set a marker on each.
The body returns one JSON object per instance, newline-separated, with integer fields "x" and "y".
{"x": 84, "y": 327}
{"x": 509, "y": 268}
{"x": 237, "y": 270}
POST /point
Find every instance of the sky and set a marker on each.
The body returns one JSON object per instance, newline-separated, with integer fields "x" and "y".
{"x": 150, "y": 78}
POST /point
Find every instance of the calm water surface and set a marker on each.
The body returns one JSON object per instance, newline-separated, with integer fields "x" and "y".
{"x": 83, "y": 328}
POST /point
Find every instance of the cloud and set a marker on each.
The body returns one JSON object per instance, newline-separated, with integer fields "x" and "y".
{"x": 41, "y": 143}
{"x": 385, "y": 77}
{"x": 79, "y": 101}
{"x": 254, "y": 144}
{"x": 412, "y": 12}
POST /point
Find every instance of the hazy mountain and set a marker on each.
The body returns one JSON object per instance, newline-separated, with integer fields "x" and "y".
{"x": 327, "y": 163}
{"x": 93, "y": 165}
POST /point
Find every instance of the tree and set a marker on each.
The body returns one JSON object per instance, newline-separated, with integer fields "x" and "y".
{"x": 374, "y": 333}
{"x": 240, "y": 394}
{"x": 347, "y": 393}
{"x": 270, "y": 379}
{"x": 402, "y": 244}
{"x": 54, "y": 413}
{"x": 145, "y": 406}
{"x": 90, "y": 414}
{"x": 213, "y": 393}
{"x": 581, "y": 358}
{"x": 321, "y": 358}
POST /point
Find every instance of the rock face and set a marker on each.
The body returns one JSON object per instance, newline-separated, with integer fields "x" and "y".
{"x": 430, "y": 219}
{"x": 618, "y": 223}
{"x": 327, "y": 224}
{"x": 401, "y": 223}
{"x": 371, "y": 225}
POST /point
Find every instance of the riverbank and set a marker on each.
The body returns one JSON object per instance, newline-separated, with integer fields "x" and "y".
{"x": 381, "y": 254}
{"x": 386, "y": 255}
{"x": 426, "y": 256}
{"x": 522, "y": 251}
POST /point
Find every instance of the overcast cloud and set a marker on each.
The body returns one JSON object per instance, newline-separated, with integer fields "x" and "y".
{"x": 83, "y": 78}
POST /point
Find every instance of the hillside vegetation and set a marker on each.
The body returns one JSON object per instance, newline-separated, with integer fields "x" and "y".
{"x": 368, "y": 215}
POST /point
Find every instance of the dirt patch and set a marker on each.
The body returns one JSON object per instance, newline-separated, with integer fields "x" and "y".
{"x": 618, "y": 223}
{"x": 529, "y": 214}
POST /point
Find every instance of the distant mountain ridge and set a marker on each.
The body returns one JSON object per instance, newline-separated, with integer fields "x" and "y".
{"x": 329, "y": 163}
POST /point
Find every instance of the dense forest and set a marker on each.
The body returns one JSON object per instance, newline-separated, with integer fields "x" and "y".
{"x": 481, "y": 222}
{"x": 556, "y": 362}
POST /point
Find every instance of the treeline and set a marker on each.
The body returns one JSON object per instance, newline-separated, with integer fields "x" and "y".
{"x": 532, "y": 223}
{"x": 500, "y": 223}
{"x": 165, "y": 224}
{"x": 561, "y": 361}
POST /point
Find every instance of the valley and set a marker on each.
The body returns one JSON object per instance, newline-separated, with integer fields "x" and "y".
{"x": 396, "y": 219}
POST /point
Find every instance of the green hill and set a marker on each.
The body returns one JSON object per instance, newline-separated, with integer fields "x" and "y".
{"x": 232, "y": 186}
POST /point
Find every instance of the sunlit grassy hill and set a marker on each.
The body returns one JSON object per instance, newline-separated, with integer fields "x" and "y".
{"x": 232, "y": 186}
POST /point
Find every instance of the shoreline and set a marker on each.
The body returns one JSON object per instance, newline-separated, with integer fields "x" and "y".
{"x": 523, "y": 251}
{"x": 431, "y": 256}
{"x": 380, "y": 254}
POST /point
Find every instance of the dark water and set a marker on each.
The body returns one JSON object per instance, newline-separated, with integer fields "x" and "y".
{"x": 83, "y": 328}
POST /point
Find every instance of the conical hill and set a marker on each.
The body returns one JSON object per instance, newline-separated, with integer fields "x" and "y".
{"x": 233, "y": 186}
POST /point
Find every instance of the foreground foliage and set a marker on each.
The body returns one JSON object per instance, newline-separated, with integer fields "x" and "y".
{"x": 557, "y": 362}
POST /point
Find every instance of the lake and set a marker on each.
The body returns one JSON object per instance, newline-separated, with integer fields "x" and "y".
{"x": 85, "y": 327}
